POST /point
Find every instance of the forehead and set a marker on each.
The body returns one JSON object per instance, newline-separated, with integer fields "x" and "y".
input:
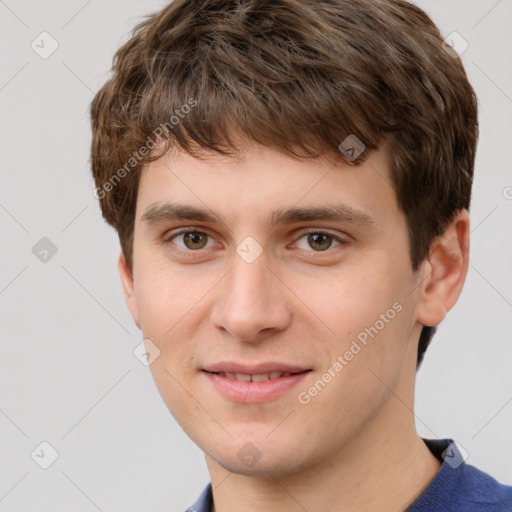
{"x": 265, "y": 183}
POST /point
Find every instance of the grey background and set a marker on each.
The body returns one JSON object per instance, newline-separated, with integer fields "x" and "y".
{"x": 67, "y": 372}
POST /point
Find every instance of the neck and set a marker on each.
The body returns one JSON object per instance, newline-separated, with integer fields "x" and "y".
{"x": 387, "y": 474}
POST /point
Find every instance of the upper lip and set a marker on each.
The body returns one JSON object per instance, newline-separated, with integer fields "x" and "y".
{"x": 254, "y": 369}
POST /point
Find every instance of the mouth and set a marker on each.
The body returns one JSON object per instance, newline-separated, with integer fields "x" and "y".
{"x": 258, "y": 377}
{"x": 251, "y": 387}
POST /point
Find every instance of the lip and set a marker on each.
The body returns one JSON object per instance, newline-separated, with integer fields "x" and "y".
{"x": 254, "y": 369}
{"x": 254, "y": 392}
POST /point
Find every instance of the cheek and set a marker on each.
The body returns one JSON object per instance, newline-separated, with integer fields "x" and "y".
{"x": 167, "y": 303}
{"x": 171, "y": 306}
{"x": 165, "y": 296}
{"x": 364, "y": 316}
{"x": 348, "y": 300}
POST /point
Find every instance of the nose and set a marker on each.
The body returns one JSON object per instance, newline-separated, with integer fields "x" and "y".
{"x": 252, "y": 302}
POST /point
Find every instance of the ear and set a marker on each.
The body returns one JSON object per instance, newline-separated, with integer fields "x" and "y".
{"x": 443, "y": 273}
{"x": 128, "y": 289}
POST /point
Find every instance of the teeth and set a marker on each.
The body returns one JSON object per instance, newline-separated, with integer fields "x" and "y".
{"x": 261, "y": 377}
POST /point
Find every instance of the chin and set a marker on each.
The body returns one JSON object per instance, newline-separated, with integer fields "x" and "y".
{"x": 263, "y": 468}
{"x": 257, "y": 456}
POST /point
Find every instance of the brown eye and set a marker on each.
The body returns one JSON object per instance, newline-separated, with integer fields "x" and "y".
{"x": 191, "y": 240}
{"x": 318, "y": 241}
{"x": 195, "y": 240}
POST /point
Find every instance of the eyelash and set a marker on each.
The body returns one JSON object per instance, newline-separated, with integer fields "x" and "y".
{"x": 190, "y": 252}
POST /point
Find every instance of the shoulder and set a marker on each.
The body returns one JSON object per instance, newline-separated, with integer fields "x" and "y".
{"x": 461, "y": 487}
{"x": 204, "y": 502}
{"x": 480, "y": 488}
{"x": 464, "y": 489}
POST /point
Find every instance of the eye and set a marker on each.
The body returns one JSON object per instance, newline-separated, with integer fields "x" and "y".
{"x": 191, "y": 240}
{"x": 319, "y": 241}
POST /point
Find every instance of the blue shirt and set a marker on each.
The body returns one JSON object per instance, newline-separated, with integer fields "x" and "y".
{"x": 457, "y": 487}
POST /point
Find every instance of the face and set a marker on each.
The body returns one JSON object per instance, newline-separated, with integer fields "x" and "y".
{"x": 269, "y": 266}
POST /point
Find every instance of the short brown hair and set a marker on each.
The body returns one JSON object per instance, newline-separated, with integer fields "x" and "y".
{"x": 298, "y": 76}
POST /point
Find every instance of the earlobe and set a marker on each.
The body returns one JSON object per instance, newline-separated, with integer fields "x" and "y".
{"x": 443, "y": 274}
{"x": 128, "y": 288}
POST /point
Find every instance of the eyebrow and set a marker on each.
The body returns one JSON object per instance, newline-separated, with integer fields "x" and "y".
{"x": 160, "y": 212}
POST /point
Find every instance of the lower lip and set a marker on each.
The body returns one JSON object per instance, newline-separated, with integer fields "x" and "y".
{"x": 254, "y": 392}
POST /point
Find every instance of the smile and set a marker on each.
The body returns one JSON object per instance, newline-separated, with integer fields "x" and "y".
{"x": 244, "y": 377}
{"x": 253, "y": 388}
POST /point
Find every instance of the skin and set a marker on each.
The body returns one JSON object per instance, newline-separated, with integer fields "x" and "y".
{"x": 354, "y": 446}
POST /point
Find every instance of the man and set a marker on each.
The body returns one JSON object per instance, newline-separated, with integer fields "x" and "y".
{"x": 290, "y": 182}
